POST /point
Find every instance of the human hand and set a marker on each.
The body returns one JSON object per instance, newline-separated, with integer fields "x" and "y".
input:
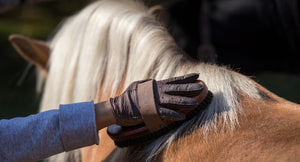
{"x": 169, "y": 95}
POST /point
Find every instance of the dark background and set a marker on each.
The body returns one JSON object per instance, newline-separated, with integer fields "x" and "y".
{"x": 18, "y": 96}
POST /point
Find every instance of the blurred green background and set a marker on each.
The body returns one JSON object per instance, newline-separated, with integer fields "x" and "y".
{"x": 17, "y": 87}
{"x": 18, "y": 95}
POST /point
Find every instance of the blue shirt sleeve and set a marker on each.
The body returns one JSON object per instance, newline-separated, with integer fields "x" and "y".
{"x": 38, "y": 136}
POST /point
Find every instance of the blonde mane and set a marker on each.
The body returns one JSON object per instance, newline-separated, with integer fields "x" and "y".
{"x": 112, "y": 43}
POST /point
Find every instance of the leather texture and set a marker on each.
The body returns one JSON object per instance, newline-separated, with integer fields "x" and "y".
{"x": 148, "y": 108}
{"x": 170, "y": 95}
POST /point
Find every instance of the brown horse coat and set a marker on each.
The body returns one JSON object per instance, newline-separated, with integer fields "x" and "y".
{"x": 112, "y": 43}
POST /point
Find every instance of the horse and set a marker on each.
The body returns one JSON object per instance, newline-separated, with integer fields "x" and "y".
{"x": 99, "y": 51}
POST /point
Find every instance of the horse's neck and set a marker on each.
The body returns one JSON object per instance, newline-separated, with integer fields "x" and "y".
{"x": 266, "y": 125}
{"x": 269, "y": 130}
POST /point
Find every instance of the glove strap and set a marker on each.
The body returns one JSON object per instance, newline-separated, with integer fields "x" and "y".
{"x": 148, "y": 110}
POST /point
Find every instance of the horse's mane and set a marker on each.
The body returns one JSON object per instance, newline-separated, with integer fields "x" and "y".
{"x": 112, "y": 43}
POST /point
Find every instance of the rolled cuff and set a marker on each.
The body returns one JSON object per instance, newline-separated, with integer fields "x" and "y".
{"x": 78, "y": 125}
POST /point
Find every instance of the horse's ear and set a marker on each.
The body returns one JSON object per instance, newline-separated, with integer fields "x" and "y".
{"x": 160, "y": 13}
{"x": 34, "y": 51}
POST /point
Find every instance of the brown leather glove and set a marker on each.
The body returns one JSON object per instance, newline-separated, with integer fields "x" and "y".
{"x": 170, "y": 95}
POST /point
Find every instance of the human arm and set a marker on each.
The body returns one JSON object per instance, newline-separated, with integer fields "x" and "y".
{"x": 75, "y": 125}
{"x": 44, "y": 134}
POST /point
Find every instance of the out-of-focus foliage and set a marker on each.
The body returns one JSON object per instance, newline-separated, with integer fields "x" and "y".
{"x": 282, "y": 84}
{"x": 40, "y": 20}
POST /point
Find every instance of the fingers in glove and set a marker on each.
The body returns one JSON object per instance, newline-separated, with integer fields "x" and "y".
{"x": 188, "y": 78}
{"x": 178, "y": 102}
{"x": 188, "y": 90}
{"x": 166, "y": 113}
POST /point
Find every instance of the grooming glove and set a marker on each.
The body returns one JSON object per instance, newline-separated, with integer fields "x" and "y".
{"x": 170, "y": 95}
